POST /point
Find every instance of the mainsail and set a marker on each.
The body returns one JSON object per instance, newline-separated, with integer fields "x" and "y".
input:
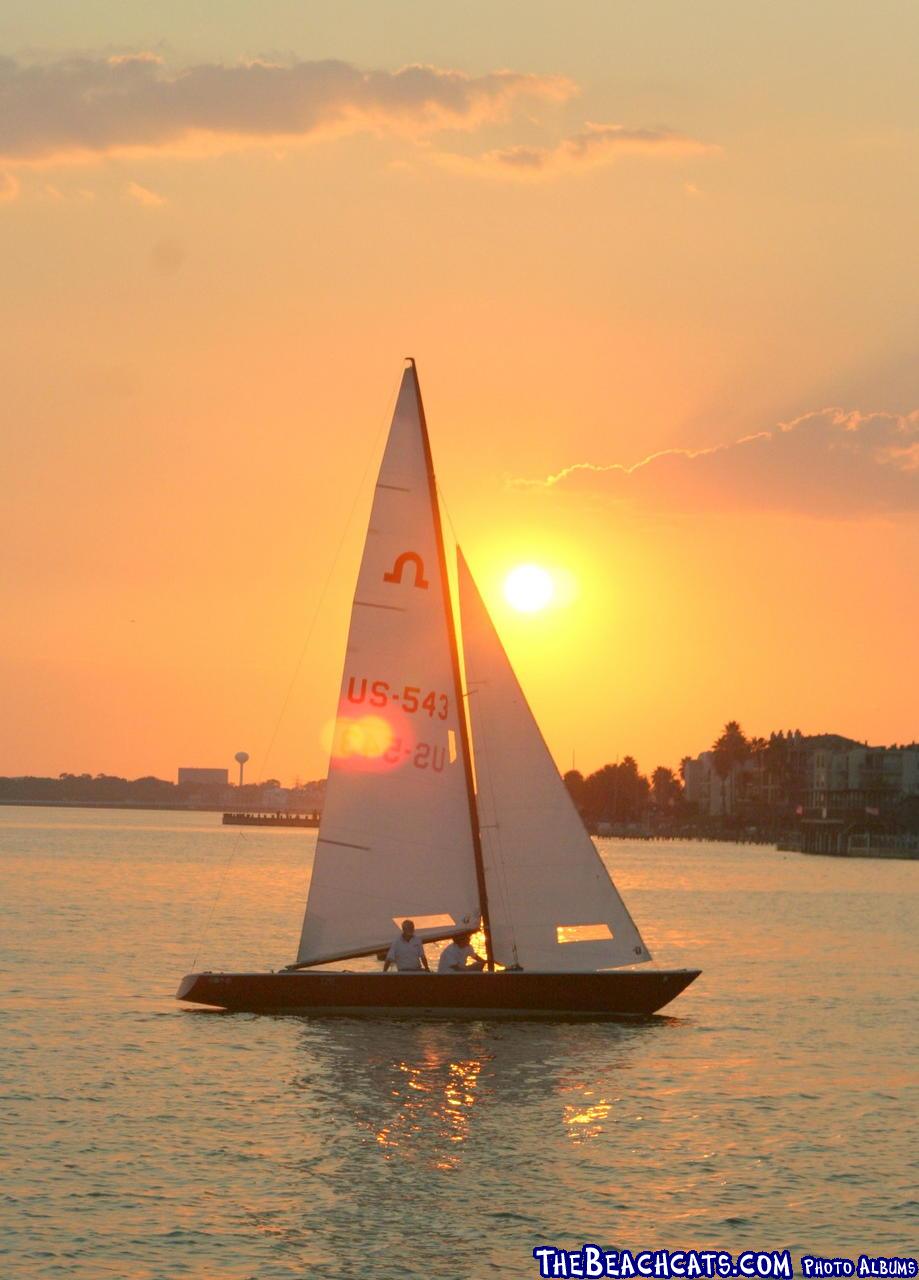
{"x": 551, "y": 903}
{"x": 396, "y": 837}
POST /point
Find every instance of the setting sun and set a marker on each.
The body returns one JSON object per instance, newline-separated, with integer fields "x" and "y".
{"x": 528, "y": 588}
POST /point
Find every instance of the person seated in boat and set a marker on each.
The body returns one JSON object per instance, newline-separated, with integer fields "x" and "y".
{"x": 407, "y": 952}
{"x": 460, "y": 956}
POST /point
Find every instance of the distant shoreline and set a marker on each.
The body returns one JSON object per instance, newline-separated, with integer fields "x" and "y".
{"x": 781, "y": 843}
{"x": 171, "y": 808}
{"x": 111, "y": 804}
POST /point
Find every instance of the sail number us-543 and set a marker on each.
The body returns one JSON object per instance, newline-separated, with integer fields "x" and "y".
{"x": 379, "y": 693}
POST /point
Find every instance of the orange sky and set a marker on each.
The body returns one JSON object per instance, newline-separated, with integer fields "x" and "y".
{"x": 631, "y": 231}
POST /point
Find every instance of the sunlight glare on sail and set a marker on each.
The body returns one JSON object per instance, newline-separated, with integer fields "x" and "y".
{"x": 359, "y": 740}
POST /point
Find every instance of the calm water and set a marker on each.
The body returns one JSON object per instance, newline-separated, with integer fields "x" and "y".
{"x": 774, "y": 1108}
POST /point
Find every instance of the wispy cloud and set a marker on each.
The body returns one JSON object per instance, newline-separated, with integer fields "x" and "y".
{"x": 590, "y": 147}
{"x": 830, "y": 463}
{"x": 72, "y": 195}
{"x": 143, "y": 195}
{"x": 9, "y": 187}
{"x": 84, "y": 107}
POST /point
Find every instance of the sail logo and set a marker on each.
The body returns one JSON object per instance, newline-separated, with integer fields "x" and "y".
{"x": 408, "y": 558}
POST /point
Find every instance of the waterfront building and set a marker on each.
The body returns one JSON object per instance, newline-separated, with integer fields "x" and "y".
{"x": 203, "y": 777}
{"x": 793, "y": 776}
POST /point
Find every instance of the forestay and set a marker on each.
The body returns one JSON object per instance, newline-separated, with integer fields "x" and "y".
{"x": 396, "y": 833}
{"x": 551, "y": 903}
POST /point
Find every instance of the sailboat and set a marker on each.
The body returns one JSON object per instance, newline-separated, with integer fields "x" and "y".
{"x": 443, "y": 805}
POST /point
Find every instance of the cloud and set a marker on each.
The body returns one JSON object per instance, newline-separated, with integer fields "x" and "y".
{"x": 143, "y": 195}
{"x": 9, "y": 187}
{"x": 84, "y": 107}
{"x": 592, "y": 146}
{"x": 830, "y": 463}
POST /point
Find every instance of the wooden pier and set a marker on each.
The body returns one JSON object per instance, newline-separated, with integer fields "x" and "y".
{"x": 838, "y": 839}
{"x": 260, "y": 818}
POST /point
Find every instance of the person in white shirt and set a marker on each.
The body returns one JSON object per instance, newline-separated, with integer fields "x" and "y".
{"x": 407, "y": 952}
{"x": 460, "y": 957}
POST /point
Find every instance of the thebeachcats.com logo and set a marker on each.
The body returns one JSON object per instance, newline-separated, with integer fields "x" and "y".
{"x": 714, "y": 1264}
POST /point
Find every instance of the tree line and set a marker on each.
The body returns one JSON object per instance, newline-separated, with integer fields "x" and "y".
{"x": 620, "y": 793}
{"x": 147, "y": 792}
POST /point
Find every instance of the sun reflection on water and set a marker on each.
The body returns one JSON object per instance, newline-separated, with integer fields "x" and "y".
{"x": 434, "y": 1100}
{"x": 583, "y": 1118}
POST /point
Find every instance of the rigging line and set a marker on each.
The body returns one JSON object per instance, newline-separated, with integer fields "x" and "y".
{"x": 445, "y": 508}
{"x": 234, "y": 848}
{"x": 266, "y": 755}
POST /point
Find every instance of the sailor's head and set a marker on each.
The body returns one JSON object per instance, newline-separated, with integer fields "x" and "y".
{"x": 408, "y": 929}
{"x": 462, "y": 939}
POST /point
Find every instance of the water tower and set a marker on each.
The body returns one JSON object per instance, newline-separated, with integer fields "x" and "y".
{"x": 241, "y": 757}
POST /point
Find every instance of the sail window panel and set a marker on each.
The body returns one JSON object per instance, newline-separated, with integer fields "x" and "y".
{"x": 426, "y": 922}
{"x": 582, "y": 933}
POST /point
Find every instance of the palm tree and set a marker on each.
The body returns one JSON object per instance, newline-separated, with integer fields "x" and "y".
{"x": 665, "y": 788}
{"x": 729, "y": 750}
{"x": 777, "y": 770}
{"x": 574, "y": 781}
{"x": 758, "y": 748}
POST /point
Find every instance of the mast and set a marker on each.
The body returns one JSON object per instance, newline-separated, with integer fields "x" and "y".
{"x": 457, "y": 678}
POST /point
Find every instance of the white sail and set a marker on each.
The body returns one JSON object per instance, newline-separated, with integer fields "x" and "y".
{"x": 551, "y": 903}
{"x": 396, "y": 834}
